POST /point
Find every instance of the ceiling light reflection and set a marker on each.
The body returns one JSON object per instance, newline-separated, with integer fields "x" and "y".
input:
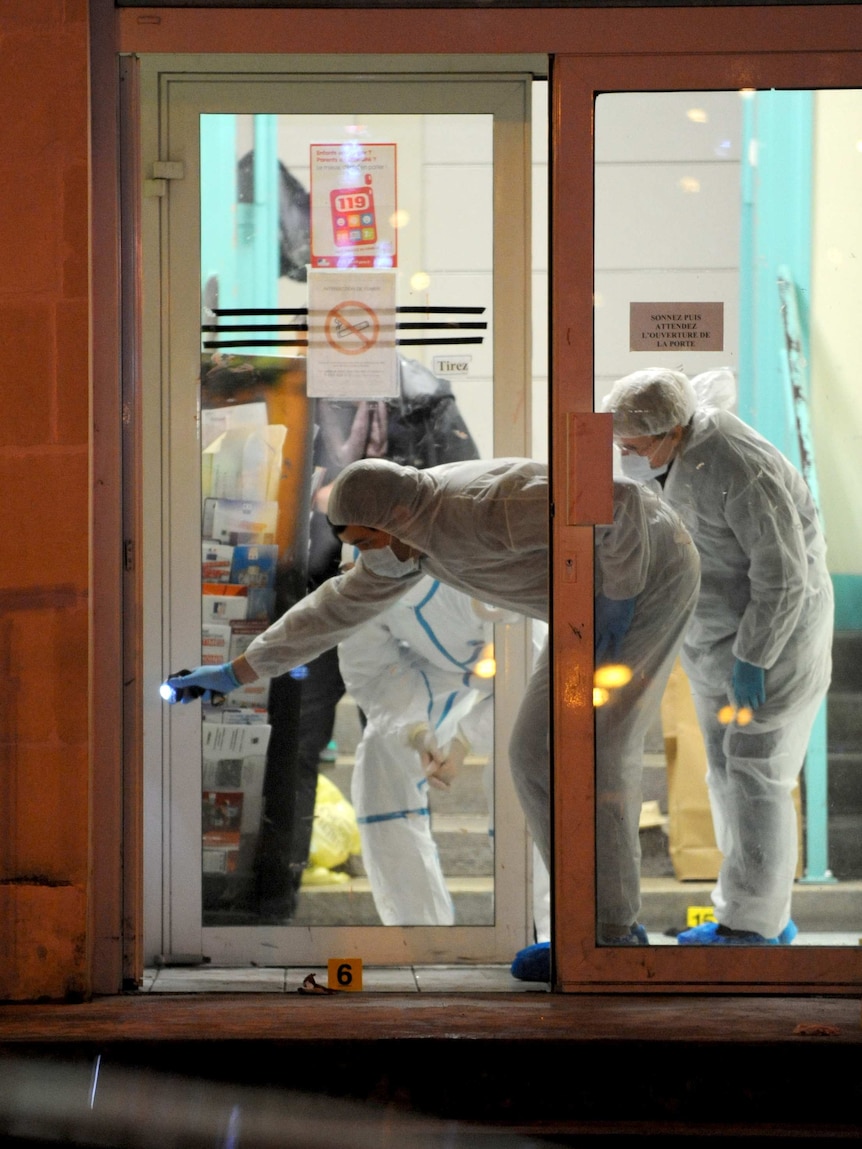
{"x": 729, "y": 714}
{"x": 612, "y": 676}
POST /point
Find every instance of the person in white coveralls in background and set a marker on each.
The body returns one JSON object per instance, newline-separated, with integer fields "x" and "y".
{"x": 761, "y": 636}
{"x": 411, "y": 671}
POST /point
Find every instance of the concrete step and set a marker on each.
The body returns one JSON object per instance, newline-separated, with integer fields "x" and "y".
{"x": 847, "y": 661}
{"x": 465, "y": 847}
{"x": 843, "y": 720}
{"x": 845, "y": 847}
{"x": 817, "y": 908}
{"x": 352, "y": 902}
{"x": 845, "y": 783}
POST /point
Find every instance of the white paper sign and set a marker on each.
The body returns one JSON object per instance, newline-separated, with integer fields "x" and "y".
{"x": 351, "y": 335}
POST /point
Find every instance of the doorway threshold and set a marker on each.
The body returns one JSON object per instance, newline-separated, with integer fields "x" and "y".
{"x": 375, "y": 979}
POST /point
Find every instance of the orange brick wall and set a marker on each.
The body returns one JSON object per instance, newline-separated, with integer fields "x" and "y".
{"x": 44, "y": 508}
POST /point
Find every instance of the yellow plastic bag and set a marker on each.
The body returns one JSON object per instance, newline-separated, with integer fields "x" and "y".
{"x": 335, "y": 832}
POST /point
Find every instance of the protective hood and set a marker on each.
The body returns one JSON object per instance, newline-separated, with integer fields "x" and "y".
{"x": 378, "y": 493}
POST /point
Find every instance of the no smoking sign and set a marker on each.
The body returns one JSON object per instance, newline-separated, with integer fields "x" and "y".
{"x": 352, "y": 345}
{"x": 351, "y": 327}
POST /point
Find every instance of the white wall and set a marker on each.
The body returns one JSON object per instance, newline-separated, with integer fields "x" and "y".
{"x": 668, "y": 209}
{"x": 667, "y": 219}
{"x": 836, "y": 322}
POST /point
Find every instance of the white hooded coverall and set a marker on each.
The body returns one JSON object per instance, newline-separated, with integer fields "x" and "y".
{"x": 766, "y": 598}
{"x": 412, "y": 666}
{"x": 481, "y": 527}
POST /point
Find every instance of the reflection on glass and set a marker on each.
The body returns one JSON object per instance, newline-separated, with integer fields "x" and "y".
{"x": 736, "y": 253}
{"x": 356, "y": 789}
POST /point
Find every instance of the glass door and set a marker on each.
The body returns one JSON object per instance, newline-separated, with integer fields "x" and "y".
{"x": 295, "y": 822}
{"x": 734, "y": 265}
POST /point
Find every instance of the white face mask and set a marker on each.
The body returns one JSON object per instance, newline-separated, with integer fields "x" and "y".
{"x": 383, "y": 561}
{"x": 638, "y": 467}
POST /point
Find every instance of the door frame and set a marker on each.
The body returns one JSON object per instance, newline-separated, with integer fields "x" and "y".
{"x": 576, "y": 82}
{"x": 595, "y": 49}
{"x": 174, "y": 92}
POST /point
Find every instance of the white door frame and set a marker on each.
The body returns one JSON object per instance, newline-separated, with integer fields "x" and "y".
{"x": 174, "y": 91}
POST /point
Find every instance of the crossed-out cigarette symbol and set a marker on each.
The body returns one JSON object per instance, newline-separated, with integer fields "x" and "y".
{"x": 352, "y": 327}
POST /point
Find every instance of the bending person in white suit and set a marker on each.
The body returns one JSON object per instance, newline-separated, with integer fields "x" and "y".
{"x": 482, "y": 528}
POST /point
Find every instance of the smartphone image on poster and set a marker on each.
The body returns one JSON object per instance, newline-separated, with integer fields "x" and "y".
{"x": 354, "y": 223}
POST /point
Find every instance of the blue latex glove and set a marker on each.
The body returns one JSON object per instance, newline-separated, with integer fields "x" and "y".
{"x": 205, "y": 682}
{"x": 613, "y": 619}
{"x": 749, "y": 684}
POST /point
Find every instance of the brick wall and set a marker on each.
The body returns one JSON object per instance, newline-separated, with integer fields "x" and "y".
{"x": 44, "y": 508}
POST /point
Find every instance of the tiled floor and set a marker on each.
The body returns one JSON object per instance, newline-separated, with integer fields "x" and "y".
{"x": 376, "y": 979}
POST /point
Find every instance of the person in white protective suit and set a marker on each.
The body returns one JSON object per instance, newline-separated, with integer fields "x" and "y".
{"x": 647, "y": 569}
{"x": 761, "y": 636}
{"x": 411, "y": 672}
{"x": 482, "y": 528}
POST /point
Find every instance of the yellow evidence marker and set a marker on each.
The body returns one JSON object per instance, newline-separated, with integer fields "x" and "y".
{"x": 345, "y": 974}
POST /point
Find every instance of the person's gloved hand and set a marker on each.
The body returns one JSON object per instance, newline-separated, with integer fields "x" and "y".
{"x": 204, "y": 682}
{"x": 421, "y": 739}
{"x": 613, "y": 619}
{"x": 441, "y": 772}
{"x": 433, "y": 759}
{"x": 749, "y": 684}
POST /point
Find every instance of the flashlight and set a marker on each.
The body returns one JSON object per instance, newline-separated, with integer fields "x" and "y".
{"x": 171, "y": 695}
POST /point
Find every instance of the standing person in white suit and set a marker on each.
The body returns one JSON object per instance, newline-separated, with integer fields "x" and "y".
{"x": 411, "y": 671}
{"x": 761, "y": 637}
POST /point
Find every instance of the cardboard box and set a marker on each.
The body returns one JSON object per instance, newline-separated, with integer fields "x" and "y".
{"x": 691, "y": 838}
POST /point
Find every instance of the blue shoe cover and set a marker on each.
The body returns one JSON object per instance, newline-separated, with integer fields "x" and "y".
{"x": 788, "y": 933}
{"x": 707, "y": 935}
{"x": 533, "y": 963}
